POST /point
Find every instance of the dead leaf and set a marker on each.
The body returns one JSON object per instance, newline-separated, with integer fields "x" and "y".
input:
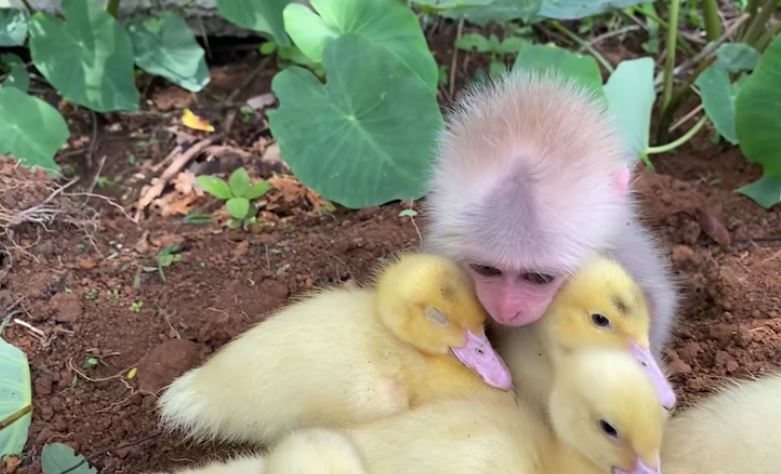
{"x": 131, "y": 373}
{"x": 241, "y": 248}
{"x": 11, "y": 463}
{"x": 185, "y": 183}
{"x": 142, "y": 246}
{"x": 163, "y": 239}
{"x": 262, "y": 101}
{"x": 172, "y": 98}
{"x": 189, "y": 119}
{"x": 87, "y": 264}
{"x": 712, "y": 226}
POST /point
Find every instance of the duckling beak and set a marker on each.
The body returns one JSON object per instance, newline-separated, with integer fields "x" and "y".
{"x": 478, "y": 354}
{"x": 662, "y": 386}
{"x": 640, "y": 467}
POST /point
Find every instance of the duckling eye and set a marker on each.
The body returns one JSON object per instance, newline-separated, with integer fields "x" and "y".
{"x": 436, "y": 316}
{"x": 600, "y": 320}
{"x": 485, "y": 270}
{"x": 608, "y": 429}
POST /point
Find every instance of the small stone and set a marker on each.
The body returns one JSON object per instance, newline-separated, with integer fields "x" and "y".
{"x": 87, "y": 264}
{"x": 678, "y": 367}
{"x": 66, "y": 307}
{"x": 732, "y": 365}
{"x": 166, "y": 362}
{"x": 682, "y": 254}
{"x": 721, "y": 358}
{"x": 689, "y": 352}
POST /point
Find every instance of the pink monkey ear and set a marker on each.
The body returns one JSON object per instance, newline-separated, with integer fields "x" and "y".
{"x": 622, "y": 180}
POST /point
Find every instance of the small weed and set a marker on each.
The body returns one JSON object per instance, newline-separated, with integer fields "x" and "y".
{"x": 237, "y": 192}
{"x": 197, "y": 218}
{"x": 327, "y": 209}
{"x": 493, "y": 46}
{"x": 114, "y": 294}
{"x": 246, "y": 114}
{"x": 136, "y": 306}
{"x": 167, "y": 256}
{"x": 79, "y": 248}
{"x": 91, "y": 294}
{"x": 104, "y": 182}
{"x": 282, "y": 269}
{"x": 131, "y": 159}
{"x": 90, "y": 362}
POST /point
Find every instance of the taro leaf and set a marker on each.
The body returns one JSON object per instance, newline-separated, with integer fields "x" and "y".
{"x": 264, "y": 16}
{"x": 30, "y": 129}
{"x": 13, "y": 27}
{"x": 258, "y": 189}
{"x": 17, "y": 72}
{"x": 215, "y": 186}
{"x": 718, "y": 100}
{"x": 239, "y": 182}
{"x": 537, "y": 57}
{"x": 758, "y": 122}
{"x": 237, "y": 207}
{"x": 498, "y": 10}
{"x": 165, "y": 46}
{"x": 15, "y": 395}
{"x": 766, "y": 191}
{"x": 59, "y": 457}
{"x": 88, "y": 58}
{"x": 451, "y": 4}
{"x": 736, "y": 57}
{"x": 366, "y": 136}
{"x": 630, "y": 99}
{"x": 390, "y": 25}
{"x": 575, "y": 9}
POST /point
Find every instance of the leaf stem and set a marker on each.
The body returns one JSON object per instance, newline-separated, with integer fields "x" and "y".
{"x": 677, "y": 97}
{"x": 30, "y": 9}
{"x": 583, "y": 44}
{"x": 672, "y": 35}
{"x": 758, "y": 21}
{"x": 764, "y": 40}
{"x": 678, "y": 141}
{"x": 112, "y": 7}
{"x": 710, "y": 12}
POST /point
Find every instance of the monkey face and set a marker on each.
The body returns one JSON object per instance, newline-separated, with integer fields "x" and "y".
{"x": 514, "y": 298}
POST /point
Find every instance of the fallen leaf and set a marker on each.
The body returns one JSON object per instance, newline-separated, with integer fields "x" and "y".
{"x": 185, "y": 183}
{"x": 189, "y": 119}
{"x": 241, "y": 248}
{"x": 87, "y": 264}
{"x": 11, "y": 463}
{"x": 163, "y": 239}
{"x": 262, "y": 101}
{"x": 712, "y": 226}
{"x": 175, "y": 204}
{"x": 131, "y": 373}
{"x": 142, "y": 246}
{"x": 172, "y": 98}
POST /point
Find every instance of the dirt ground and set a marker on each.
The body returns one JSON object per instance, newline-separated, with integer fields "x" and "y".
{"x": 79, "y": 290}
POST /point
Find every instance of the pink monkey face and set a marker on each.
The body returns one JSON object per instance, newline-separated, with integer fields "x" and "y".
{"x": 514, "y": 299}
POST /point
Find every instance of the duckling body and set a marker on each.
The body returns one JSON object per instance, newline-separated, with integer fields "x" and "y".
{"x": 344, "y": 356}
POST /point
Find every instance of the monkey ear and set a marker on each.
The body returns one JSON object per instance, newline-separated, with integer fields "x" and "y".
{"x": 622, "y": 179}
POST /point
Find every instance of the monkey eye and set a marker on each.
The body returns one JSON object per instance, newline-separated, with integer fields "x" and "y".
{"x": 485, "y": 270}
{"x": 608, "y": 429}
{"x": 538, "y": 278}
{"x": 600, "y": 320}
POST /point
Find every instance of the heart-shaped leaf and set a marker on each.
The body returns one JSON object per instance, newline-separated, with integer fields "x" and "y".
{"x": 17, "y": 73}
{"x": 30, "y": 129}
{"x": 758, "y": 121}
{"x": 574, "y": 9}
{"x": 366, "y": 136}
{"x": 264, "y": 16}
{"x": 537, "y": 57}
{"x": 215, "y": 186}
{"x": 766, "y": 191}
{"x": 13, "y": 27}
{"x": 237, "y": 207}
{"x": 88, "y": 58}
{"x": 630, "y": 99}
{"x": 736, "y": 57}
{"x": 308, "y": 30}
{"x": 718, "y": 100}
{"x": 58, "y": 457}
{"x": 498, "y": 10}
{"x": 165, "y": 46}
{"x": 258, "y": 189}
{"x": 15, "y": 399}
{"x": 386, "y": 24}
{"x": 239, "y": 182}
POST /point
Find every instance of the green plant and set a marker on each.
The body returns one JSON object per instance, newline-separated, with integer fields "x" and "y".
{"x": 57, "y": 458}
{"x": 237, "y": 192}
{"x": 497, "y": 49}
{"x": 91, "y": 294}
{"x": 15, "y": 400}
{"x": 136, "y": 306}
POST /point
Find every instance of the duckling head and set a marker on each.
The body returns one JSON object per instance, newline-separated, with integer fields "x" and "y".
{"x": 601, "y": 305}
{"x": 428, "y": 302}
{"x": 604, "y": 407}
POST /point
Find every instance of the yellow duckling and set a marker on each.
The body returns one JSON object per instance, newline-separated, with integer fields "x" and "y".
{"x": 605, "y": 418}
{"x": 343, "y": 356}
{"x": 600, "y": 305}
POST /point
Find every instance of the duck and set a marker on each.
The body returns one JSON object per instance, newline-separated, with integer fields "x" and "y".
{"x": 344, "y": 355}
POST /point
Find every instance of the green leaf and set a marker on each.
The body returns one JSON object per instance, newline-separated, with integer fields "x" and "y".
{"x": 215, "y": 186}
{"x": 88, "y": 58}
{"x": 308, "y": 30}
{"x": 366, "y": 136}
{"x": 17, "y": 72}
{"x": 59, "y": 457}
{"x": 757, "y": 117}
{"x": 575, "y": 9}
{"x": 630, "y": 98}
{"x": 498, "y": 10}
{"x": 537, "y": 57}
{"x": 473, "y": 42}
{"x": 165, "y": 46}
{"x": 718, "y": 100}
{"x": 30, "y": 129}
{"x": 408, "y": 213}
{"x": 766, "y": 191}
{"x": 736, "y": 57}
{"x": 237, "y": 207}
{"x": 15, "y": 395}
{"x": 512, "y": 45}
{"x": 437, "y": 5}
{"x": 264, "y": 16}
{"x": 13, "y": 27}
{"x": 239, "y": 182}
{"x": 258, "y": 189}
{"x": 390, "y": 25}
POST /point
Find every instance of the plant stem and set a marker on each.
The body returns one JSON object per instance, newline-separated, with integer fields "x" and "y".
{"x": 672, "y": 35}
{"x": 678, "y": 141}
{"x": 757, "y": 24}
{"x": 30, "y": 9}
{"x": 112, "y": 7}
{"x": 676, "y": 99}
{"x": 710, "y": 12}
{"x": 583, "y": 44}
{"x": 764, "y": 40}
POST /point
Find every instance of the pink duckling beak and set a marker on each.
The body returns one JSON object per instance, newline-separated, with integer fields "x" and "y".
{"x": 478, "y": 354}
{"x": 663, "y": 388}
{"x": 640, "y": 468}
